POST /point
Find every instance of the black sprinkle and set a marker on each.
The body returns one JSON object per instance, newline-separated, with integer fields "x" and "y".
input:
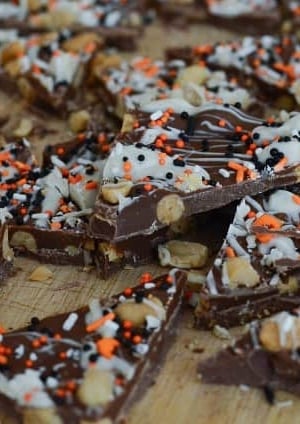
{"x": 93, "y": 357}
{"x": 269, "y": 394}
{"x": 141, "y": 158}
{"x": 169, "y": 175}
{"x": 184, "y": 115}
{"x": 178, "y": 162}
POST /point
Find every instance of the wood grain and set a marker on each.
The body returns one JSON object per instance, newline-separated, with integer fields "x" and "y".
{"x": 178, "y": 396}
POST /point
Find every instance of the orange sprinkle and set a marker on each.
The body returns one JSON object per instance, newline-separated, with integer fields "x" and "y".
{"x": 238, "y": 128}
{"x": 264, "y": 238}
{"x": 230, "y": 253}
{"x": 267, "y": 220}
{"x": 55, "y": 225}
{"x": 169, "y": 279}
{"x": 240, "y": 175}
{"x": 296, "y": 199}
{"x": 3, "y": 360}
{"x": 63, "y": 355}
{"x": 127, "y": 324}
{"x": 245, "y": 137}
{"x": 91, "y": 185}
{"x": 180, "y": 144}
{"x": 127, "y": 166}
{"x": 28, "y": 363}
{"x": 60, "y": 151}
{"x": 36, "y": 343}
{"x": 251, "y": 214}
{"x": 127, "y": 334}
{"x": 162, "y": 162}
{"x": 222, "y": 123}
{"x": 57, "y": 336}
{"x": 148, "y": 187}
{"x": 146, "y": 277}
{"x": 281, "y": 164}
{"x": 235, "y": 166}
{"x": 28, "y": 397}
{"x": 99, "y": 322}
{"x": 107, "y": 346}
{"x": 136, "y": 339}
{"x": 128, "y": 292}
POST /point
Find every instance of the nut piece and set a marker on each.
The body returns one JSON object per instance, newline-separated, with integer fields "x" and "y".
{"x": 96, "y": 388}
{"x": 195, "y": 73}
{"x": 190, "y": 182}
{"x": 110, "y": 251}
{"x": 41, "y": 416}
{"x": 11, "y": 52}
{"x": 113, "y": 192}
{"x": 78, "y": 43}
{"x": 128, "y": 122}
{"x": 192, "y": 94}
{"x": 240, "y": 272}
{"x": 183, "y": 254}
{"x": 221, "y": 333}
{"x": 169, "y": 209}
{"x": 41, "y": 273}
{"x": 7, "y": 252}
{"x": 136, "y": 312}
{"x": 54, "y": 20}
{"x": 24, "y": 128}
{"x": 280, "y": 332}
{"x": 78, "y": 121}
{"x": 23, "y": 239}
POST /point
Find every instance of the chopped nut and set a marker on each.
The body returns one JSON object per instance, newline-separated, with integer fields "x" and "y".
{"x": 78, "y": 121}
{"x": 41, "y": 273}
{"x": 291, "y": 286}
{"x": 96, "y": 388}
{"x": 241, "y": 273}
{"x": 41, "y": 416}
{"x": 190, "y": 182}
{"x": 192, "y": 95}
{"x": 274, "y": 335}
{"x": 136, "y": 312}
{"x": 183, "y": 254}
{"x": 128, "y": 122}
{"x": 110, "y": 252}
{"x": 11, "y": 52}
{"x": 170, "y": 209}
{"x": 7, "y": 252}
{"x": 195, "y": 73}
{"x": 13, "y": 68}
{"x": 23, "y": 239}
{"x": 24, "y": 129}
{"x": 113, "y": 192}
{"x": 77, "y": 43}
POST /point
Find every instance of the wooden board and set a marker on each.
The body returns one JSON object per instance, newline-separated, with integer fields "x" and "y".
{"x": 177, "y": 397}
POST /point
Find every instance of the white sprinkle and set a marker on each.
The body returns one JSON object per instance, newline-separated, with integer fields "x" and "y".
{"x": 156, "y": 115}
{"x": 19, "y": 351}
{"x": 51, "y": 382}
{"x": 57, "y": 162}
{"x": 149, "y": 286}
{"x": 218, "y": 262}
{"x": 244, "y": 388}
{"x": 33, "y": 356}
{"x": 70, "y": 321}
{"x": 21, "y": 197}
{"x": 40, "y": 216}
{"x": 224, "y": 173}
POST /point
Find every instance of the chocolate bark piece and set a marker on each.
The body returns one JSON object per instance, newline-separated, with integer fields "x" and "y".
{"x": 266, "y": 357}
{"x": 174, "y": 166}
{"x": 50, "y": 205}
{"x": 148, "y": 85}
{"x": 268, "y": 65}
{"x": 91, "y": 363}
{"x": 49, "y": 70}
{"x": 254, "y": 17}
{"x": 257, "y": 271}
{"x": 118, "y": 22}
